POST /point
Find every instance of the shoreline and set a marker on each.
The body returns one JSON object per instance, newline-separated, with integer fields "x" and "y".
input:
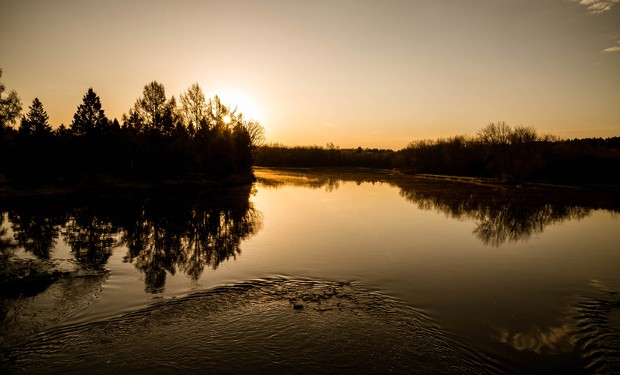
{"x": 107, "y": 184}
{"x": 102, "y": 185}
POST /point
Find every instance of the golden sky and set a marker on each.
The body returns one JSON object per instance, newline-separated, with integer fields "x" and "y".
{"x": 355, "y": 73}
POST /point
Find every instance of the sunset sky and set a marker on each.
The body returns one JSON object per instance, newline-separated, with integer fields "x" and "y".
{"x": 355, "y": 73}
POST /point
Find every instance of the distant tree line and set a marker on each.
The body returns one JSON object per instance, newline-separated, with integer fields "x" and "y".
{"x": 157, "y": 138}
{"x": 514, "y": 154}
{"x": 509, "y": 154}
{"x": 276, "y": 155}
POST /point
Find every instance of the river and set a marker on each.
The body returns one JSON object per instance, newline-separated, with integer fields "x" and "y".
{"x": 315, "y": 271}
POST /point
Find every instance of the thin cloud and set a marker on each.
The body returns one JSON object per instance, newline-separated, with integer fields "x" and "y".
{"x": 613, "y": 49}
{"x": 598, "y": 6}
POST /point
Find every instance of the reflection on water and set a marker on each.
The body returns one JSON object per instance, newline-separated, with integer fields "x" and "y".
{"x": 185, "y": 237}
{"x": 423, "y": 242}
{"x": 501, "y": 213}
{"x": 162, "y": 235}
{"x": 551, "y": 340}
{"x": 36, "y": 230}
{"x": 91, "y": 235}
{"x": 590, "y": 325}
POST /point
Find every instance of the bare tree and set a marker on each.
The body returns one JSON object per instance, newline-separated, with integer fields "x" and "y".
{"x": 496, "y": 134}
{"x": 523, "y": 134}
{"x": 256, "y": 132}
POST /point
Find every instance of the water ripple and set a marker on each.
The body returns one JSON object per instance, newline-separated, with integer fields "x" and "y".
{"x": 277, "y": 325}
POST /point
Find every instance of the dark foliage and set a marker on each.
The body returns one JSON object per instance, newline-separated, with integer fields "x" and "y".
{"x": 498, "y": 151}
{"x": 314, "y": 156}
{"x": 10, "y": 107}
{"x": 515, "y": 155}
{"x": 204, "y": 138}
{"x": 153, "y": 142}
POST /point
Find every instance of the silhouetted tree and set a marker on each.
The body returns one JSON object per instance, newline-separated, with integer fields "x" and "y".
{"x": 152, "y": 108}
{"x": 276, "y": 155}
{"x": 89, "y": 116}
{"x": 35, "y": 122}
{"x": 256, "y": 132}
{"x": 495, "y": 134}
{"x": 193, "y": 108}
{"x": 62, "y": 131}
{"x": 220, "y": 115}
{"x": 10, "y": 108}
{"x": 171, "y": 117}
{"x": 515, "y": 155}
{"x": 133, "y": 122}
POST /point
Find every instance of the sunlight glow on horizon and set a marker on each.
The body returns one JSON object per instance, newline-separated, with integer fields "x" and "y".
{"x": 351, "y": 72}
{"x": 245, "y": 104}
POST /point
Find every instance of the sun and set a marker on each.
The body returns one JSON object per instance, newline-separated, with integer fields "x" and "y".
{"x": 244, "y": 104}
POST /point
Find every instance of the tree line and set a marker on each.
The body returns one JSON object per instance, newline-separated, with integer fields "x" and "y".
{"x": 517, "y": 154}
{"x": 499, "y": 151}
{"x": 160, "y": 138}
{"x": 277, "y": 155}
{"x": 156, "y": 138}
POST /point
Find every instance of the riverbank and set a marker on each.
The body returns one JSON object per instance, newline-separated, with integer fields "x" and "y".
{"x": 379, "y": 174}
{"x": 98, "y": 185}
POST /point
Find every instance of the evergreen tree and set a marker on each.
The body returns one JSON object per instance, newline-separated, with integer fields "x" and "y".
{"x": 89, "y": 116}
{"x": 35, "y": 122}
{"x": 133, "y": 122}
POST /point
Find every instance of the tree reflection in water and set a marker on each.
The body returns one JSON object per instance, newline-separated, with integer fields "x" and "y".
{"x": 91, "y": 236}
{"x": 7, "y": 242}
{"x": 36, "y": 229}
{"x": 502, "y": 213}
{"x": 166, "y": 237}
{"x": 162, "y": 234}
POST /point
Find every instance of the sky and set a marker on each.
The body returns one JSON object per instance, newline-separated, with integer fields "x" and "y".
{"x": 355, "y": 73}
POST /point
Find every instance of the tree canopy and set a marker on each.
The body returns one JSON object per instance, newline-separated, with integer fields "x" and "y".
{"x": 35, "y": 122}
{"x": 89, "y": 117}
{"x": 157, "y": 139}
{"x": 10, "y": 107}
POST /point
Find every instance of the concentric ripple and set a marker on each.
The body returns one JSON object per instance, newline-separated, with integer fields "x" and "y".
{"x": 596, "y": 321}
{"x": 277, "y": 325}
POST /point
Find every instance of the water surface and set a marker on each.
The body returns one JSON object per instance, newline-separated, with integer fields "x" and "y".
{"x": 331, "y": 270}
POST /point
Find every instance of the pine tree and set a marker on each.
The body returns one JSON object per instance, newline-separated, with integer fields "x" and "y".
{"x": 89, "y": 116}
{"x": 35, "y": 122}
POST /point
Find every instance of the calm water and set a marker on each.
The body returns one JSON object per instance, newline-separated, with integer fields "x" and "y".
{"x": 317, "y": 271}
